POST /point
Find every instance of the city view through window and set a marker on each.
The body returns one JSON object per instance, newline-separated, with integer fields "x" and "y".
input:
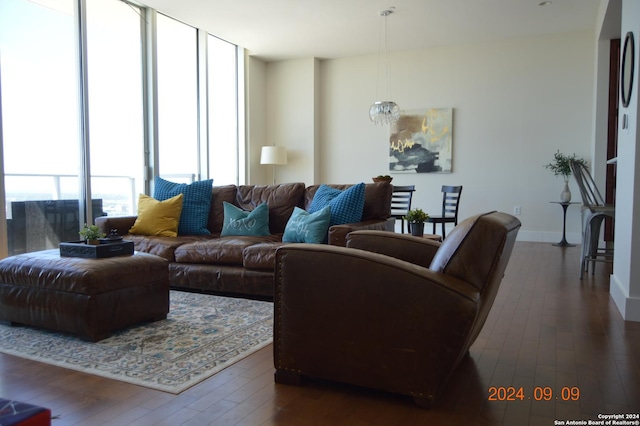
{"x": 43, "y": 145}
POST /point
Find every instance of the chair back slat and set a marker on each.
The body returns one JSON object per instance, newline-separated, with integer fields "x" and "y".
{"x": 591, "y": 197}
{"x": 450, "y": 200}
{"x": 401, "y": 201}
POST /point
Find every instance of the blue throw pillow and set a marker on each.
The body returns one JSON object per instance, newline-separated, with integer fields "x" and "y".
{"x": 243, "y": 223}
{"x": 346, "y": 206}
{"x": 304, "y": 227}
{"x": 195, "y": 204}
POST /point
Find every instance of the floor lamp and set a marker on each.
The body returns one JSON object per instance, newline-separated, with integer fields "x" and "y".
{"x": 274, "y": 155}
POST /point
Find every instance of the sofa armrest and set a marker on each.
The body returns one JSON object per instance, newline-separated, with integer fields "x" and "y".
{"x": 120, "y": 223}
{"x": 416, "y": 250}
{"x": 338, "y": 233}
{"x": 350, "y": 315}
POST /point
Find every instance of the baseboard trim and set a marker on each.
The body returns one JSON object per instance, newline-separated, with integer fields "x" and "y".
{"x": 548, "y": 237}
{"x": 629, "y": 307}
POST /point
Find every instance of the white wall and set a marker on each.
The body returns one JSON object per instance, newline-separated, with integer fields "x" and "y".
{"x": 515, "y": 102}
{"x": 625, "y": 280}
{"x": 291, "y": 117}
{"x": 256, "y": 107}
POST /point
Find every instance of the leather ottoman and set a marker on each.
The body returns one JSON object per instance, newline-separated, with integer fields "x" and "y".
{"x": 87, "y": 297}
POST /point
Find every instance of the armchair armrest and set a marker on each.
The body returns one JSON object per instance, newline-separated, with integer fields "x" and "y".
{"x": 416, "y": 250}
{"x": 121, "y": 223}
{"x": 353, "y": 316}
{"x": 338, "y": 233}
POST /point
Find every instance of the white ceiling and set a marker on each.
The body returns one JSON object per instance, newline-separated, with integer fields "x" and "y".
{"x": 287, "y": 29}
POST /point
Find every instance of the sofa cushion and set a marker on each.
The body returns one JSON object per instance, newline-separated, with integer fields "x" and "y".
{"x": 281, "y": 199}
{"x": 195, "y": 205}
{"x": 219, "y": 195}
{"x": 222, "y": 250}
{"x": 305, "y": 227}
{"x": 157, "y": 217}
{"x": 346, "y": 205}
{"x": 161, "y": 246}
{"x": 261, "y": 256}
{"x": 250, "y": 223}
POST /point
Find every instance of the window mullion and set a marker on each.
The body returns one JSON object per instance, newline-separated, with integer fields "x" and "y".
{"x": 203, "y": 106}
{"x": 150, "y": 85}
{"x": 85, "y": 210}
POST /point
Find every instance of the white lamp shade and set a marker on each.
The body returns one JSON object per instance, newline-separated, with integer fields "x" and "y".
{"x": 273, "y": 155}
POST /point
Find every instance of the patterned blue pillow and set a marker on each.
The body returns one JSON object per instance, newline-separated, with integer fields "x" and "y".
{"x": 346, "y": 206}
{"x": 304, "y": 227}
{"x": 195, "y": 204}
{"x": 243, "y": 223}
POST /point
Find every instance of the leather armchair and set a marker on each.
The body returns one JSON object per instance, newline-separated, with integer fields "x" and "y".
{"x": 389, "y": 311}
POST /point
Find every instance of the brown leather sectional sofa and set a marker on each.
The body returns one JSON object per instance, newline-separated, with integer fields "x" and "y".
{"x": 244, "y": 266}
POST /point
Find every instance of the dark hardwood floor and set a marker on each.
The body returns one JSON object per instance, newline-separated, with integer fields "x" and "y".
{"x": 547, "y": 331}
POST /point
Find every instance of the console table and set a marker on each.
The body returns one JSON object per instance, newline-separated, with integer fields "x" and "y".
{"x": 565, "y": 205}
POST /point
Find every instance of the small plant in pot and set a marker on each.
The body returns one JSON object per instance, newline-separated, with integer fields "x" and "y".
{"x": 561, "y": 166}
{"x": 91, "y": 234}
{"x": 416, "y": 219}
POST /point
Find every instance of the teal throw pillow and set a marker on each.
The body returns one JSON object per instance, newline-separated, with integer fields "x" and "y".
{"x": 243, "y": 223}
{"x": 346, "y": 206}
{"x": 304, "y": 227}
{"x": 196, "y": 203}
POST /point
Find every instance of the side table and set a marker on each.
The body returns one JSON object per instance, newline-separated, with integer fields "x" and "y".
{"x": 565, "y": 205}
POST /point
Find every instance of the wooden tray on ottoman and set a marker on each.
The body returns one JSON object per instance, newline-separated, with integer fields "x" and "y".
{"x": 98, "y": 251}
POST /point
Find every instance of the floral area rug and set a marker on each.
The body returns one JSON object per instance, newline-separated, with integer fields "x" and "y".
{"x": 202, "y": 335}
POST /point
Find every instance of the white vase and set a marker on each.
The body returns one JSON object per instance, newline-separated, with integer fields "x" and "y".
{"x": 565, "y": 195}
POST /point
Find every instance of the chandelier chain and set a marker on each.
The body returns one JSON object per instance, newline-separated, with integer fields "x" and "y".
{"x": 384, "y": 112}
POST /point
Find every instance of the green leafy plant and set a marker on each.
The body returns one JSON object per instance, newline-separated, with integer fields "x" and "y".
{"x": 560, "y": 166}
{"x": 91, "y": 232}
{"x": 416, "y": 216}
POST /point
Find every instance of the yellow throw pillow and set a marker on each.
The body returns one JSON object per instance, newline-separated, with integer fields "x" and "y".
{"x": 158, "y": 218}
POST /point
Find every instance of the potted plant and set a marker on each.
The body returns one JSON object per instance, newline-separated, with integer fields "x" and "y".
{"x": 416, "y": 219}
{"x": 382, "y": 178}
{"x": 91, "y": 234}
{"x": 560, "y": 166}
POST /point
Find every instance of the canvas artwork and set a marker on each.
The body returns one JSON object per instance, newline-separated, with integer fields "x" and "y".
{"x": 421, "y": 142}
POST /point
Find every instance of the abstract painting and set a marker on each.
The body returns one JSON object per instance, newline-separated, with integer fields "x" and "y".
{"x": 421, "y": 142}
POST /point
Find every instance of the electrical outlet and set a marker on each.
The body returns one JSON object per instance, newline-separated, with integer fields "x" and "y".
{"x": 516, "y": 210}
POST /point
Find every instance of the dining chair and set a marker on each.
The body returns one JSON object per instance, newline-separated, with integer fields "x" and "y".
{"x": 401, "y": 203}
{"x": 450, "y": 203}
{"x": 594, "y": 211}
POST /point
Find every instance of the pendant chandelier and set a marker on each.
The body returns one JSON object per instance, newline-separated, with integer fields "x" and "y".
{"x": 384, "y": 112}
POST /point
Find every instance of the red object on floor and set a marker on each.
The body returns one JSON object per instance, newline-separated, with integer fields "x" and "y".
{"x": 22, "y": 414}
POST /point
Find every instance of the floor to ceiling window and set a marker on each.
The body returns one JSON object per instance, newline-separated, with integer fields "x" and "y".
{"x": 43, "y": 146}
{"x": 41, "y": 140}
{"x": 116, "y": 123}
{"x": 223, "y": 108}
{"x": 177, "y": 100}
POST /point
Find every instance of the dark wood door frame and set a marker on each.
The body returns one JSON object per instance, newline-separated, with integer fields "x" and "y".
{"x": 612, "y": 132}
